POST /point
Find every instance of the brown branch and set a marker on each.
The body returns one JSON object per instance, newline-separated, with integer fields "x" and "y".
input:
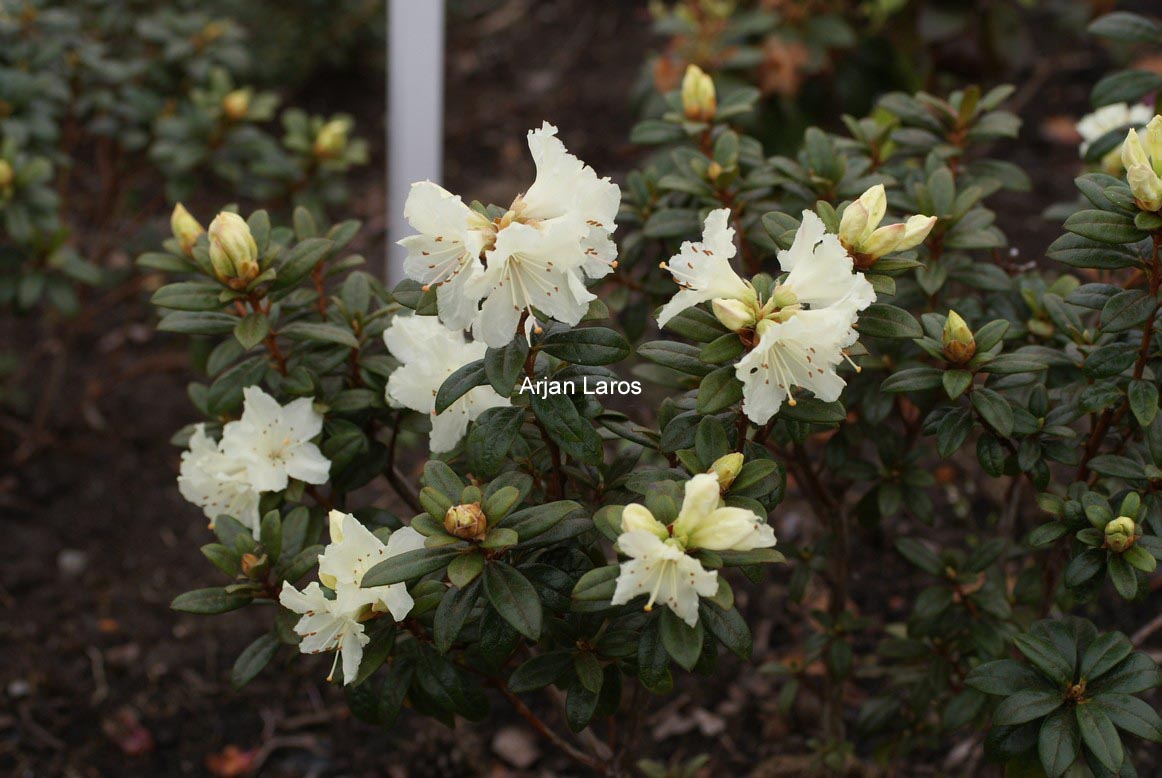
{"x": 395, "y": 477}
{"x": 545, "y": 731}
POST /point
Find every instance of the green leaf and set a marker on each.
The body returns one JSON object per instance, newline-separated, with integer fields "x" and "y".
{"x": 673, "y": 223}
{"x": 443, "y": 479}
{"x": 994, "y": 409}
{"x": 1076, "y": 251}
{"x": 880, "y": 320}
{"x": 1104, "y": 226}
{"x": 1058, "y": 742}
{"x": 503, "y": 366}
{"x": 460, "y": 383}
{"x": 728, "y": 626}
{"x": 589, "y": 671}
{"x": 189, "y": 296}
{"x": 452, "y": 613}
{"x": 1125, "y": 86}
{"x": 697, "y": 324}
{"x": 1123, "y": 577}
{"x": 210, "y": 601}
{"x": 682, "y": 642}
{"x": 536, "y": 520}
{"x": 1104, "y": 652}
{"x": 514, "y": 598}
{"x": 580, "y": 705}
{"x": 587, "y": 346}
{"x": 253, "y": 658}
{"x": 270, "y": 535}
{"x": 1042, "y": 654}
{"x": 597, "y": 585}
{"x": 491, "y": 438}
{"x": 1127, "y": 27}
{"x": 914, "y": 379}
{"x": 1004, "y": 676}
{"x": 718, "y": 391}
{"x": 677, "y": 356}
{"x": 252, "y": 329}
{"x": 1100, "y": 736}
{"x": 1136, "y": 673}
{"x": 956, "y": 382}
{"x": 952, "y": 431}
{"x": 1126, "y": 310}
{"x": 300, "y": 261}
{"x": 919, "y": 555}
{"x": 540, "y": 671}
{"x": 320, "y": 333}
{"x": 189, "y": 323}
{"x": 408, "y": 566}
{"x": 1143, "y": 401}
{"x": 568, "y": 429}
{"x": 812, "y": 410}
{"x": 1132, "y": 715}
{"x": 1027, "y": 706}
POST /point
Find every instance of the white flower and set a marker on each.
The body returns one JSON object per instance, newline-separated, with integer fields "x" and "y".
{"x": 274, "y": 441}
{"x": 217, "y": 483}
{"x": 861, "y": 234}
{"x": 428, "y": 353}
{"x": 659, "y": 564}
{"x": 447, "y": 249}
{"x": 336, "y": 624}
{"x": 703, "y": 270}
{"x": 801, "y": 342}
{"x": 1094, "y": 125}
{"x": 538, "y": 255}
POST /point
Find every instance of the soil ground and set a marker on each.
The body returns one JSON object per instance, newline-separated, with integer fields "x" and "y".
{"x": 99, "y": 678}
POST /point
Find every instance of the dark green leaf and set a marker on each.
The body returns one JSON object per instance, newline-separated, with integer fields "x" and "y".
{"x": 408, "y": 566}
{"x": 514, "y": 598}
{"x": 1100, "y": 736}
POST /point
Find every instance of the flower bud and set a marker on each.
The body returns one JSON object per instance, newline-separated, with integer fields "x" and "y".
{"x": 466, "y": 521}
{"x": 1153, "y": 144}
{"x": 1132, "y": 152}
{"x": 7, "y": 175}
{"x": 699, "y": 103}
{"x": 254, "y": 567}
{"x": 784, "y": 296}
{"x": 332, "y": 138}
{"x": 726, "y": 469}
{"x": 233, "y": 251}
{"x": 236, "y": 104}
{"x": 1146, "y": 187}
{"x": 885, "y": 240}
{"x": 1120, "y": 534}
{"x": 957, "y": 341}
{"x": 186, "y": 228}
{"x": 852, "y": 224}
{"x": 735, "y": 315}
{"x": 916, "y": 230}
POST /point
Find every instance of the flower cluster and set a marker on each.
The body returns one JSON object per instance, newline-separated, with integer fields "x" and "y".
{"x": 533, "y": 257}
{"x": 660, "y": 565}
{"x": 428, "y": 353}
{"x": 861, "y": 234}
{"x": 260, "y": 452}
{"x": 335, "y": 623}
{"x": 798, "y": 333}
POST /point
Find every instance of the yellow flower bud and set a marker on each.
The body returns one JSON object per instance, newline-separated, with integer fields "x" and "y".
{"x": 1132, "y": 151}
{"x": 1120, "y": 534}
{"x": 233, "y": 252}
{"x": 236, "y": 104}
{"x": 1146, "y": 187}
{"x": 466, "y": 521}
{"x": 699, "y": 102}
{"x": 885, "y": 240}
{"x": 735, "y": 315}
{"x": 186, "y": 228}
{"x": 1153, "y": 143}
{"x": 959, "y": 345}
{"x": 916, "y": 230}
{"x": 853, "y": 224}
{"x": 254, "y": 567}
{"x": 332, "y": 138}
{"x": 726, "y": 469}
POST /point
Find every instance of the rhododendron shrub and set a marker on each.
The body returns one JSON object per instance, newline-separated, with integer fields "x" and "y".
{"x": 611, "y": 390}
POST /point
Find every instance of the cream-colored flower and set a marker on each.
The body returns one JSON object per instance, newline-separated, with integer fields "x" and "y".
{"x": 1108, "y": 118}
{"x": 428, "y": 353}
{"x": 336, "y": 623}
{"x": 703, "y": 272}
{"x": 217, "y": 483}
{"x": 536, "y": 257}
{"x": 659, "y": 565}
{"x": 274, "y": 441}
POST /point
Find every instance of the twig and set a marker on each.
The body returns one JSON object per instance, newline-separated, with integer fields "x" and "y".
{"x": 394, "y": 476}
{"x": 545, "y": 731}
